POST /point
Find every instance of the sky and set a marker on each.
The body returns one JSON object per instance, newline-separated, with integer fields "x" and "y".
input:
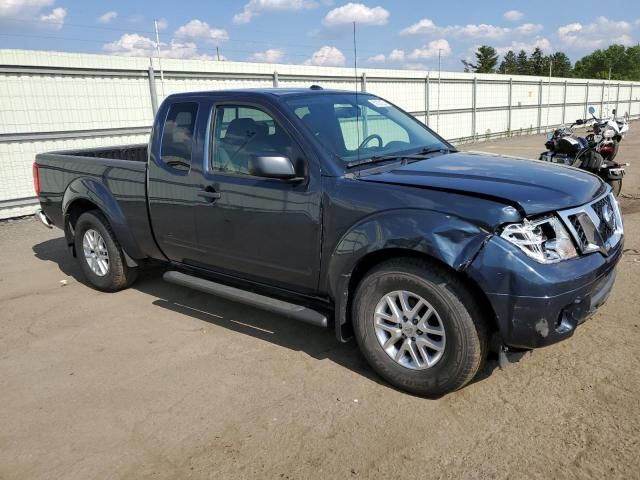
{"x": 407, "y": 34}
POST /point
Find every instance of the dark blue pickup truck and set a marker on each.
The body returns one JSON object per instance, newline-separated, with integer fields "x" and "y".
{"x": 343, "y": 211}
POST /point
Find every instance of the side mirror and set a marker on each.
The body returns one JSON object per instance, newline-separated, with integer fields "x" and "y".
{"x": 579, "y": 122}
{"x": 613, "y": 112}
{"x": 272, "y": 165}
{"x": 592, "y": 110}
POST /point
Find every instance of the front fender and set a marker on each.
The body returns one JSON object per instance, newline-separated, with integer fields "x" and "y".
{"x": 447, "y": 238}
{"x": 90, "y": 189}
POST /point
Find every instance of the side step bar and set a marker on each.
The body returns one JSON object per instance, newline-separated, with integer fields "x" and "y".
{"x": 290, "y": 310}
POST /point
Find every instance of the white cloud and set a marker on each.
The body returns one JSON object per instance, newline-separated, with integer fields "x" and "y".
{"x": 107, "y": 17}
{"x": 271, "y": 55}
{"x": 199, "y": 30}
{"x": 539, "y": 42}
{"x": 327, "y": 56}
{"x": 356, "y": 12}
{"x": 431, "y": 50}
{"x": 599, "y": 34}
{"x": 22, "y": 8}
{"x": 415, "y": 66}
{"x": 396, "y": 55}
{"x": 256, "y": 7}
{"x": 482, "y": 30}
{"x": 421, "y": 27}
{"x": 379, "y": 58}
{"x": 529, "y": 28}
{"x": 134, "y": 45}
{"x": 513, "y": 15}
{"x": 55, "y": 17}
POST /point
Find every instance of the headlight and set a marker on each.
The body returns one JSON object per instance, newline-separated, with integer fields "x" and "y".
{"x": 545, "y": 240}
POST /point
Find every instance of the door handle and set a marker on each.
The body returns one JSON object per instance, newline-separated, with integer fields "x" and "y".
{"x": 210, "y": 194}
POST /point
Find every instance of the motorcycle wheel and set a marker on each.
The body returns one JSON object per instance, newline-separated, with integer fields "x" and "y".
{"x": 616, "y": 186}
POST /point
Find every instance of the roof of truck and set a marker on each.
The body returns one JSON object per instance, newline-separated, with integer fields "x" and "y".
{"x": 278, "y": 92}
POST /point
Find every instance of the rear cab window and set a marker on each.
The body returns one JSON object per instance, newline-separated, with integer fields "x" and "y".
{"x": 177, "y": 136}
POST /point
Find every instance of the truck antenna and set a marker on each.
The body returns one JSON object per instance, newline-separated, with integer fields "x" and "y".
{"x": 355, "y": 74}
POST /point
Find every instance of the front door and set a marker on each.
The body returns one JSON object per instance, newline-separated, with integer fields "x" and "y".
{"x": 266, "y": 230}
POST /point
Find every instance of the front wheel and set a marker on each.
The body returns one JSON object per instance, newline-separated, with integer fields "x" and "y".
{"x": 616, "y": 186}
{"x": 419, "y": 327}
{"x": 100, "y": 256}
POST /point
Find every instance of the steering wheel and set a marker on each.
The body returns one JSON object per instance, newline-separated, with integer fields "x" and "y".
{"x": 373, "y": 136}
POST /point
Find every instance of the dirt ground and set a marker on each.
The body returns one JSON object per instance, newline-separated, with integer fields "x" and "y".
{"x": 162, "y": 382}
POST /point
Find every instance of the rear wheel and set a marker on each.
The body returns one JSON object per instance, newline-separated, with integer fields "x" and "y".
{"x": 100, "y": 255}
{"x": 419, "y": 327}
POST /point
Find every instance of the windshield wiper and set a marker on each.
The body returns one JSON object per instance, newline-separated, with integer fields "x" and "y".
{"x": 419, "y": 155}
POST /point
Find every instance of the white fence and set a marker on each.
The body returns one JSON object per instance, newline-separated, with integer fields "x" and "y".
{"x": 53, "y": 101}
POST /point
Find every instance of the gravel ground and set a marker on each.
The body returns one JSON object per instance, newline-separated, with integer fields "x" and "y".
{"x": 162, "y": 382}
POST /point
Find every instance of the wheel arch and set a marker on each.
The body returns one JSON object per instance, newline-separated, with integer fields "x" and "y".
{"x": 86, "y": 194}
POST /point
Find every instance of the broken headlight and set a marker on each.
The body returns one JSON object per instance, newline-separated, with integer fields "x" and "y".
{"x": 545, "y": 240}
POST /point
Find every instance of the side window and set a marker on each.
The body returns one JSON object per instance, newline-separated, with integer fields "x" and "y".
{"x": 177, "y": 136}
{"x": 240, "y": 132}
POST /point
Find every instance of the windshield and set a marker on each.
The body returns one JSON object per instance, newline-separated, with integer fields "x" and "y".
{"x": 342, "y": 124}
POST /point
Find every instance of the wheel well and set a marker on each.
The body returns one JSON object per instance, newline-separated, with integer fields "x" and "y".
{"x": 77, "y": 208}
{"x": 375, "y": 258}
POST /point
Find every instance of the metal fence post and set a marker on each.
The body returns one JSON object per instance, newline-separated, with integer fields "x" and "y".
{"x": 539, "y": 105}
{"x": 564, "y": 103}
{"x": 474, "y": 108}
{"x": 510, "y": 106}
{"x": 618, "y": 97}
{"x": 276, "y": 80}
{"x": 426, "y": 100}
{"x": 586, "y": 100}
{"x": 630, "y": 98}
{"x": 152, "y": 90}
{"x": 363, "y": 86}
{"x": 602, "y": 100}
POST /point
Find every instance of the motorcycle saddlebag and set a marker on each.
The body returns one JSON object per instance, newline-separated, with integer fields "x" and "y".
{"x": 568, "y": 145}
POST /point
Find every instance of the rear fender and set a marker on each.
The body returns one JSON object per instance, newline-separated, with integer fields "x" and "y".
{"x": 90, "y": 189}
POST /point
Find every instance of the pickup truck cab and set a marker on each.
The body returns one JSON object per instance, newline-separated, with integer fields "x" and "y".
{"x": 341, "y": 210}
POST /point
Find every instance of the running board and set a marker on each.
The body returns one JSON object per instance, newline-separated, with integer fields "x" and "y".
{"x": 280, "y": 307}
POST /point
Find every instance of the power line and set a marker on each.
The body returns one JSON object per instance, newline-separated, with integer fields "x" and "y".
{"x": 151, "y": 33}
{"x": 102, "y": 42}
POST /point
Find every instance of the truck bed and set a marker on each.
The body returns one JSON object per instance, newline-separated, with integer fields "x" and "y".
{"x": 112, "y": 178}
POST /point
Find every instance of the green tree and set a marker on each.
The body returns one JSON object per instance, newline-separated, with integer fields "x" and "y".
{"x": 509, "y": 63}
{"x": 561, "y": 65}
{"x": 623, "y": 62}
{"x": 487, "y": 59}
{"x": 537, "y": 63}
{"x": 522, "y": 63}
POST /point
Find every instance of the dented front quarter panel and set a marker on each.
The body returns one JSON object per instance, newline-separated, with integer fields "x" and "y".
{"x": 361, "y": 218}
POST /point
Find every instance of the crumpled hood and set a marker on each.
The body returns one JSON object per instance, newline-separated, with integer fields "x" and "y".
{"x": 534, "y": 186}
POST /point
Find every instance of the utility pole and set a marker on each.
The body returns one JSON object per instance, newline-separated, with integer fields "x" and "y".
{"x": 439, "y": 75}
{"x": 549, "y": 91}
{"x": 155, "y": 24}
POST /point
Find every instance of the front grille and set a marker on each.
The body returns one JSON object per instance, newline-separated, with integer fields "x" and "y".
{"x": 605, "y": 212}
{"x": 582, "y": 236}
{"x": 596, "y": 226}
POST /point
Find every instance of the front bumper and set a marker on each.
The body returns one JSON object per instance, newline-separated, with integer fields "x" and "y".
{"x": 538, "y": 305}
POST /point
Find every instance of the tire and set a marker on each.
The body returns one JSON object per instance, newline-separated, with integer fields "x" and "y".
{"x": 616, "y": 186}
{"x": 117, "y": 275}
{"x": 465, "y": 337}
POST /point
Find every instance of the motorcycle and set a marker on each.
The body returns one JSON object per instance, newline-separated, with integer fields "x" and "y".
{"x": 593, "y": 153}
{"x": 612, "y": 132}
